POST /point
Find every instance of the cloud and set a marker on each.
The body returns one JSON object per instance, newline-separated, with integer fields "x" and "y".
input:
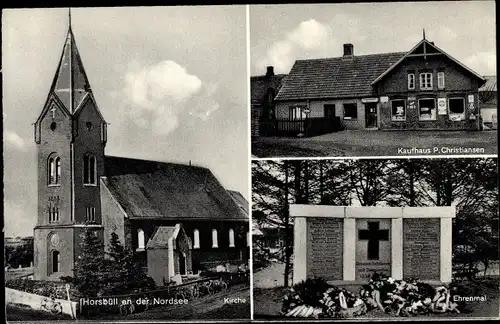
{"x": 484, "y": 63}
{"x": 158, "y": 95}
{"x": 310, "y": 34}
{"x": 311, "y": 39}
{"x": 14, "y": 140}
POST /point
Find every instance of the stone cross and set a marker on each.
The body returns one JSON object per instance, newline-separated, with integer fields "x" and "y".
{"x": 53, "y": 110}
{"x": 373, "y": 234}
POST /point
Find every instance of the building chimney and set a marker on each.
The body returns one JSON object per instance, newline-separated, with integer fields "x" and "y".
{"x": 270, "y": 71}
{"x": 348, "y": 50}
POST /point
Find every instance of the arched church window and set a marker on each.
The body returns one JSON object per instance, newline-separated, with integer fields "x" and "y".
{"x": 231, "y": 237}
{"x": 56, "y": 261}
{"x": 215, "y": 244}
{"x": 54, "y": 169}
{"x": 196, "y": 239}
{"x": 89, "y": 169}
{"x": 140, "y": 239}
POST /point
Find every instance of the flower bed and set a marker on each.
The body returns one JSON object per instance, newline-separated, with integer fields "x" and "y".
{"x": 408, "y": 297}
{"x": 316, "y": 298}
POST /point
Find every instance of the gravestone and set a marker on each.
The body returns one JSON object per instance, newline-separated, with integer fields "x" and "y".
{"x": 351, "y": 243}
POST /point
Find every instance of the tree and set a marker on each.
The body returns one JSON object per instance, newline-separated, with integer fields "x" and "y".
{"x": 90, "y": 274}
{"x": 124, "y": 273}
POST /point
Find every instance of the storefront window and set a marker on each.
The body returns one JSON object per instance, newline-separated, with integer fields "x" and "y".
{"x": 350, "y": 111}
{"x": 427, "y": 109}
{"x": 398, "y": 109}
{"x": 456, "y": 108}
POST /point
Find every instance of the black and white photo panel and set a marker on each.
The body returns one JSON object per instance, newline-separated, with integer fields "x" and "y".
{"x": 375, "y": 238}
{"x": 340, "y": 80}
{"x": 116, "y": 206}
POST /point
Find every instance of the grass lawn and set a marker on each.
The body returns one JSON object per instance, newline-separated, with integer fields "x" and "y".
{"x": 267, "y": 304}
{"x": 354, "y": 143}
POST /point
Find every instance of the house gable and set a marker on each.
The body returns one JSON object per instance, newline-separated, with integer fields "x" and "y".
{"x": 425, "y": 49}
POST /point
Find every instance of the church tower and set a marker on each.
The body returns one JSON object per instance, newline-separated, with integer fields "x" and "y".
{"x": 70, "y": 136}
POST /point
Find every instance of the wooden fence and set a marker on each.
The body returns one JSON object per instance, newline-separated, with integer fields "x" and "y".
{"x": 307, "y": 127}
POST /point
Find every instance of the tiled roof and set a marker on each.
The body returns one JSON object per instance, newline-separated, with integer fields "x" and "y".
{"x": 70, "y": 82}
{"x": 240, "y": 200}
{"x": 260, "y": 84}
{"x": 150, "y": 189}
{"x": 491, "y": 83}
{"x": 335, "y": 77}
{"x": 160, "y": 237}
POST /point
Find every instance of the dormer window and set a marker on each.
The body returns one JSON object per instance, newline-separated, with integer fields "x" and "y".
{"x": 89, "y": 169}
{"x": 54, "y": 170}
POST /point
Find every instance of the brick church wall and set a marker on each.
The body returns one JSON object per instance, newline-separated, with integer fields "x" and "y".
{"x": 113, "y": 219}
{"x": 325, "y": 248}
{"x": 421, "y": 248}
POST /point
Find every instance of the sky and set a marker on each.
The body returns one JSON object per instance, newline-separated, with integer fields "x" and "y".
{"x": 171, "y": 82}
{"x": 280, "y": 34}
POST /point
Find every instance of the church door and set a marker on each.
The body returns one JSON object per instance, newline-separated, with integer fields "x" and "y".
{"x": 182, "y": 263}
{"x": 373, "y": 247}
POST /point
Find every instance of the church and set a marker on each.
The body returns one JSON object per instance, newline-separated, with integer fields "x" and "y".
{"x": 172, "y": 215}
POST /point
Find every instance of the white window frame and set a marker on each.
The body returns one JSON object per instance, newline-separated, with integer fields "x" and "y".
{"x": 411, "y": 81}
{"x": 404, "y": 105}
{"x": 454, "y": 116}
{"x": 297, "y": 113}
{"x": 196, "y": 239}
{"x": 231, "y": 237}
{"x": 423, "y": 78}
{"x": 433, "y": 115}
{"x": 441, "y": 80}
{"x": 54, "y": 170}
{"x": 215, "y": 243}
{"x": 141, "y": 241}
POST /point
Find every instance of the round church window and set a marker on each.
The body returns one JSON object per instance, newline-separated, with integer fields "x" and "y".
{"x": 54, "y": 239}
{"x": 53, "y": 126}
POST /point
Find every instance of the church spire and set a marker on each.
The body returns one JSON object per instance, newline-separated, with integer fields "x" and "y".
{"x": 70, "y": 83}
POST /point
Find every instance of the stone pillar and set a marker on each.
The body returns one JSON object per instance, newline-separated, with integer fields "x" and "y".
{"x": 349, "y": 256}
{"x": 446, "y": 250}
{"x": 397, "y": 248}
{"x": 299, "y": 249}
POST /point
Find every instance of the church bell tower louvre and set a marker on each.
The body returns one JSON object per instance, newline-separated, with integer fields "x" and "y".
{"x": 70, "y": 136}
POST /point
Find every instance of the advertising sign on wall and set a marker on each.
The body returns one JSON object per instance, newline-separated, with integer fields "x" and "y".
{"x": 442, "y": 110}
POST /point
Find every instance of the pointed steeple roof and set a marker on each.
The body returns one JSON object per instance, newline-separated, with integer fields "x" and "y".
{"x": 70, "y": 83}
